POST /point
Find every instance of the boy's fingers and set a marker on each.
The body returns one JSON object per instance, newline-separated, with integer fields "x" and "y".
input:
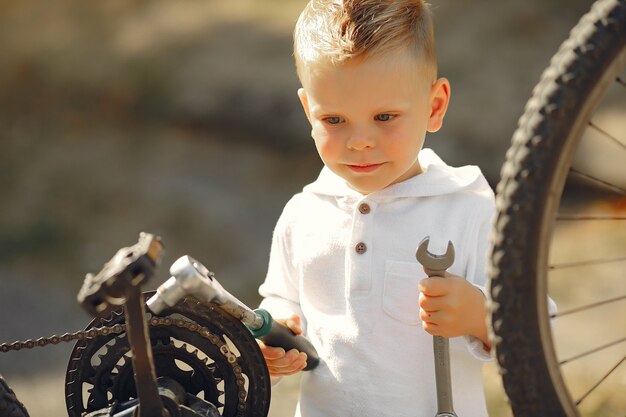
{"x": 281, "y": 359}
{"x": 432, "y": 304}
{"x": 294, "y": 326}
{"x": 431, "y": 328}
{"x": 425, "y": 316}
{"x": 292, "y": 362}
{"x": 271, "y": 352}
{"x": 433, "y": 287}
{"x": 294, "y": 323}
{"x": 296, "y": 319}
{"x": 274, "y": 372}
{"x": 431, "y": 317}
{"x": 437, "y": 287}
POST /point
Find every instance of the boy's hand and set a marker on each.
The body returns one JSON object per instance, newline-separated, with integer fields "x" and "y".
{"x": 452, "y": 307}
{"x": 279, "y": 362}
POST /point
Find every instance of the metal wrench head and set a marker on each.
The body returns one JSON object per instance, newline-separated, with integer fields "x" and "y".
{"x": 191, "y": 278}
{"x": 431, "y": 261}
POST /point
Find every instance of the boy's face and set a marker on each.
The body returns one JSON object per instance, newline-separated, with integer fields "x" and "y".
{"x": 369, "y": 117}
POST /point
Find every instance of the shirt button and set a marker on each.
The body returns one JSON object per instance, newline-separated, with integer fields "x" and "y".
{"x": 360, "y": 248}
{"x": 364, "y": 208}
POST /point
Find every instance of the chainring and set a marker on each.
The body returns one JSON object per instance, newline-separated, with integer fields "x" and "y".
{"x": 210, "y": 353}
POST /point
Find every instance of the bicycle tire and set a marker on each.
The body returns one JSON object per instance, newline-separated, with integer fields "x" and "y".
{"x": 528, "y": 195}
{"x": 10, "y": 406}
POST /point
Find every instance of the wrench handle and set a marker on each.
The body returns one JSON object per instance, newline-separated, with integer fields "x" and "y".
{"x": 277, "y": 334}
{"x": 443, "y": 380}
{"x": 441, "y": 348}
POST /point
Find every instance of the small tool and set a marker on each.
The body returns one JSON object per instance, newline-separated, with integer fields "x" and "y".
{"x": 436, "y": 266}
{"x": 190, "y": 277}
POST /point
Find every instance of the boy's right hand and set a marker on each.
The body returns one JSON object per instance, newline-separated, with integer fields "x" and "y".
{"x": 279, "y": 362}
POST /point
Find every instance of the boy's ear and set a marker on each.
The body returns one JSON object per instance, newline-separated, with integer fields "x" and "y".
{"x": 305, "y": 102}
{"x": 439, "y": 99}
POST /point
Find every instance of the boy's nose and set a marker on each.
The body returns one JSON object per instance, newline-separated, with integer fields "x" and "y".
{"x": 359, "y": 140}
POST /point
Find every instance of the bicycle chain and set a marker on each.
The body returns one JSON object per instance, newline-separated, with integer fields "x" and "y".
{"x": 67, "y": 337}
{"x": 95, "y": 332}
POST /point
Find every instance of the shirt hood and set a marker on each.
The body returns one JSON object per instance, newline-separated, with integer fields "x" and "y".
{"x": 438, "y": 178}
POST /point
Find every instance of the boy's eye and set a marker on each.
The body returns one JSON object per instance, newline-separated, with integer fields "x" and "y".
{"x": 384, "y": 117}
{"x": 333, "y": 120}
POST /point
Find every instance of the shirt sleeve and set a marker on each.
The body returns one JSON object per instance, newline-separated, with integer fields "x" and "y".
{"x": 280, "y": 290}
{"x": 477, "y": 268}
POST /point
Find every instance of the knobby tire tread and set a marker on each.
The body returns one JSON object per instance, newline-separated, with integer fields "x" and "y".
{"x": 525, "y": 186}
{"x": 10, "y": 406}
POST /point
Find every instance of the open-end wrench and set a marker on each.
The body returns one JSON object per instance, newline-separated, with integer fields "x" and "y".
{"x": 436, "y": 266}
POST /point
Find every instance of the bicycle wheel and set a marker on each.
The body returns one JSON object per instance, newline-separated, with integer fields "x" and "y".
{"x": 10, "y": 406}
{"x": 560, "y": 232}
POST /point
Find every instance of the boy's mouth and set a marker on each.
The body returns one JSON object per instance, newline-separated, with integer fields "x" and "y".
{"x": 364, "y": 168}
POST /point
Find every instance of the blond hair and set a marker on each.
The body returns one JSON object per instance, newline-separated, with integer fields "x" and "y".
{"x": 335, "y": 31}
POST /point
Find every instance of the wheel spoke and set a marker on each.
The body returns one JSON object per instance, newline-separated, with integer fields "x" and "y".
{"x": 587, "y": 307}
{"x": 608, "y": 135}
{"x": 581, "y": 399}
{"x": 613, "y": 187}
{"x": 586, "y": 263}
{"x": 589, "y": 352}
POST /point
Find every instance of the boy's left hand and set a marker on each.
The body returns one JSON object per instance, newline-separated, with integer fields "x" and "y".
{"x": 452, "y": 307}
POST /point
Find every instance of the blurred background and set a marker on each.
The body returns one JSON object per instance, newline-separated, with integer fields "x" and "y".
{"x": 181, "y": 119}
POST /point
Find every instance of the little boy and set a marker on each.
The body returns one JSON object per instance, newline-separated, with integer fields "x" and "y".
{"x": 342, "y": 261}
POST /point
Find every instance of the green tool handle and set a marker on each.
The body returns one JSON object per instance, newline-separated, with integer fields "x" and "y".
{"x": 276, "y": 334}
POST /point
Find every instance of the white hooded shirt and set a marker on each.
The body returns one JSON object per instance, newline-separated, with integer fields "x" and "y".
{"x": 345, "y": 262}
